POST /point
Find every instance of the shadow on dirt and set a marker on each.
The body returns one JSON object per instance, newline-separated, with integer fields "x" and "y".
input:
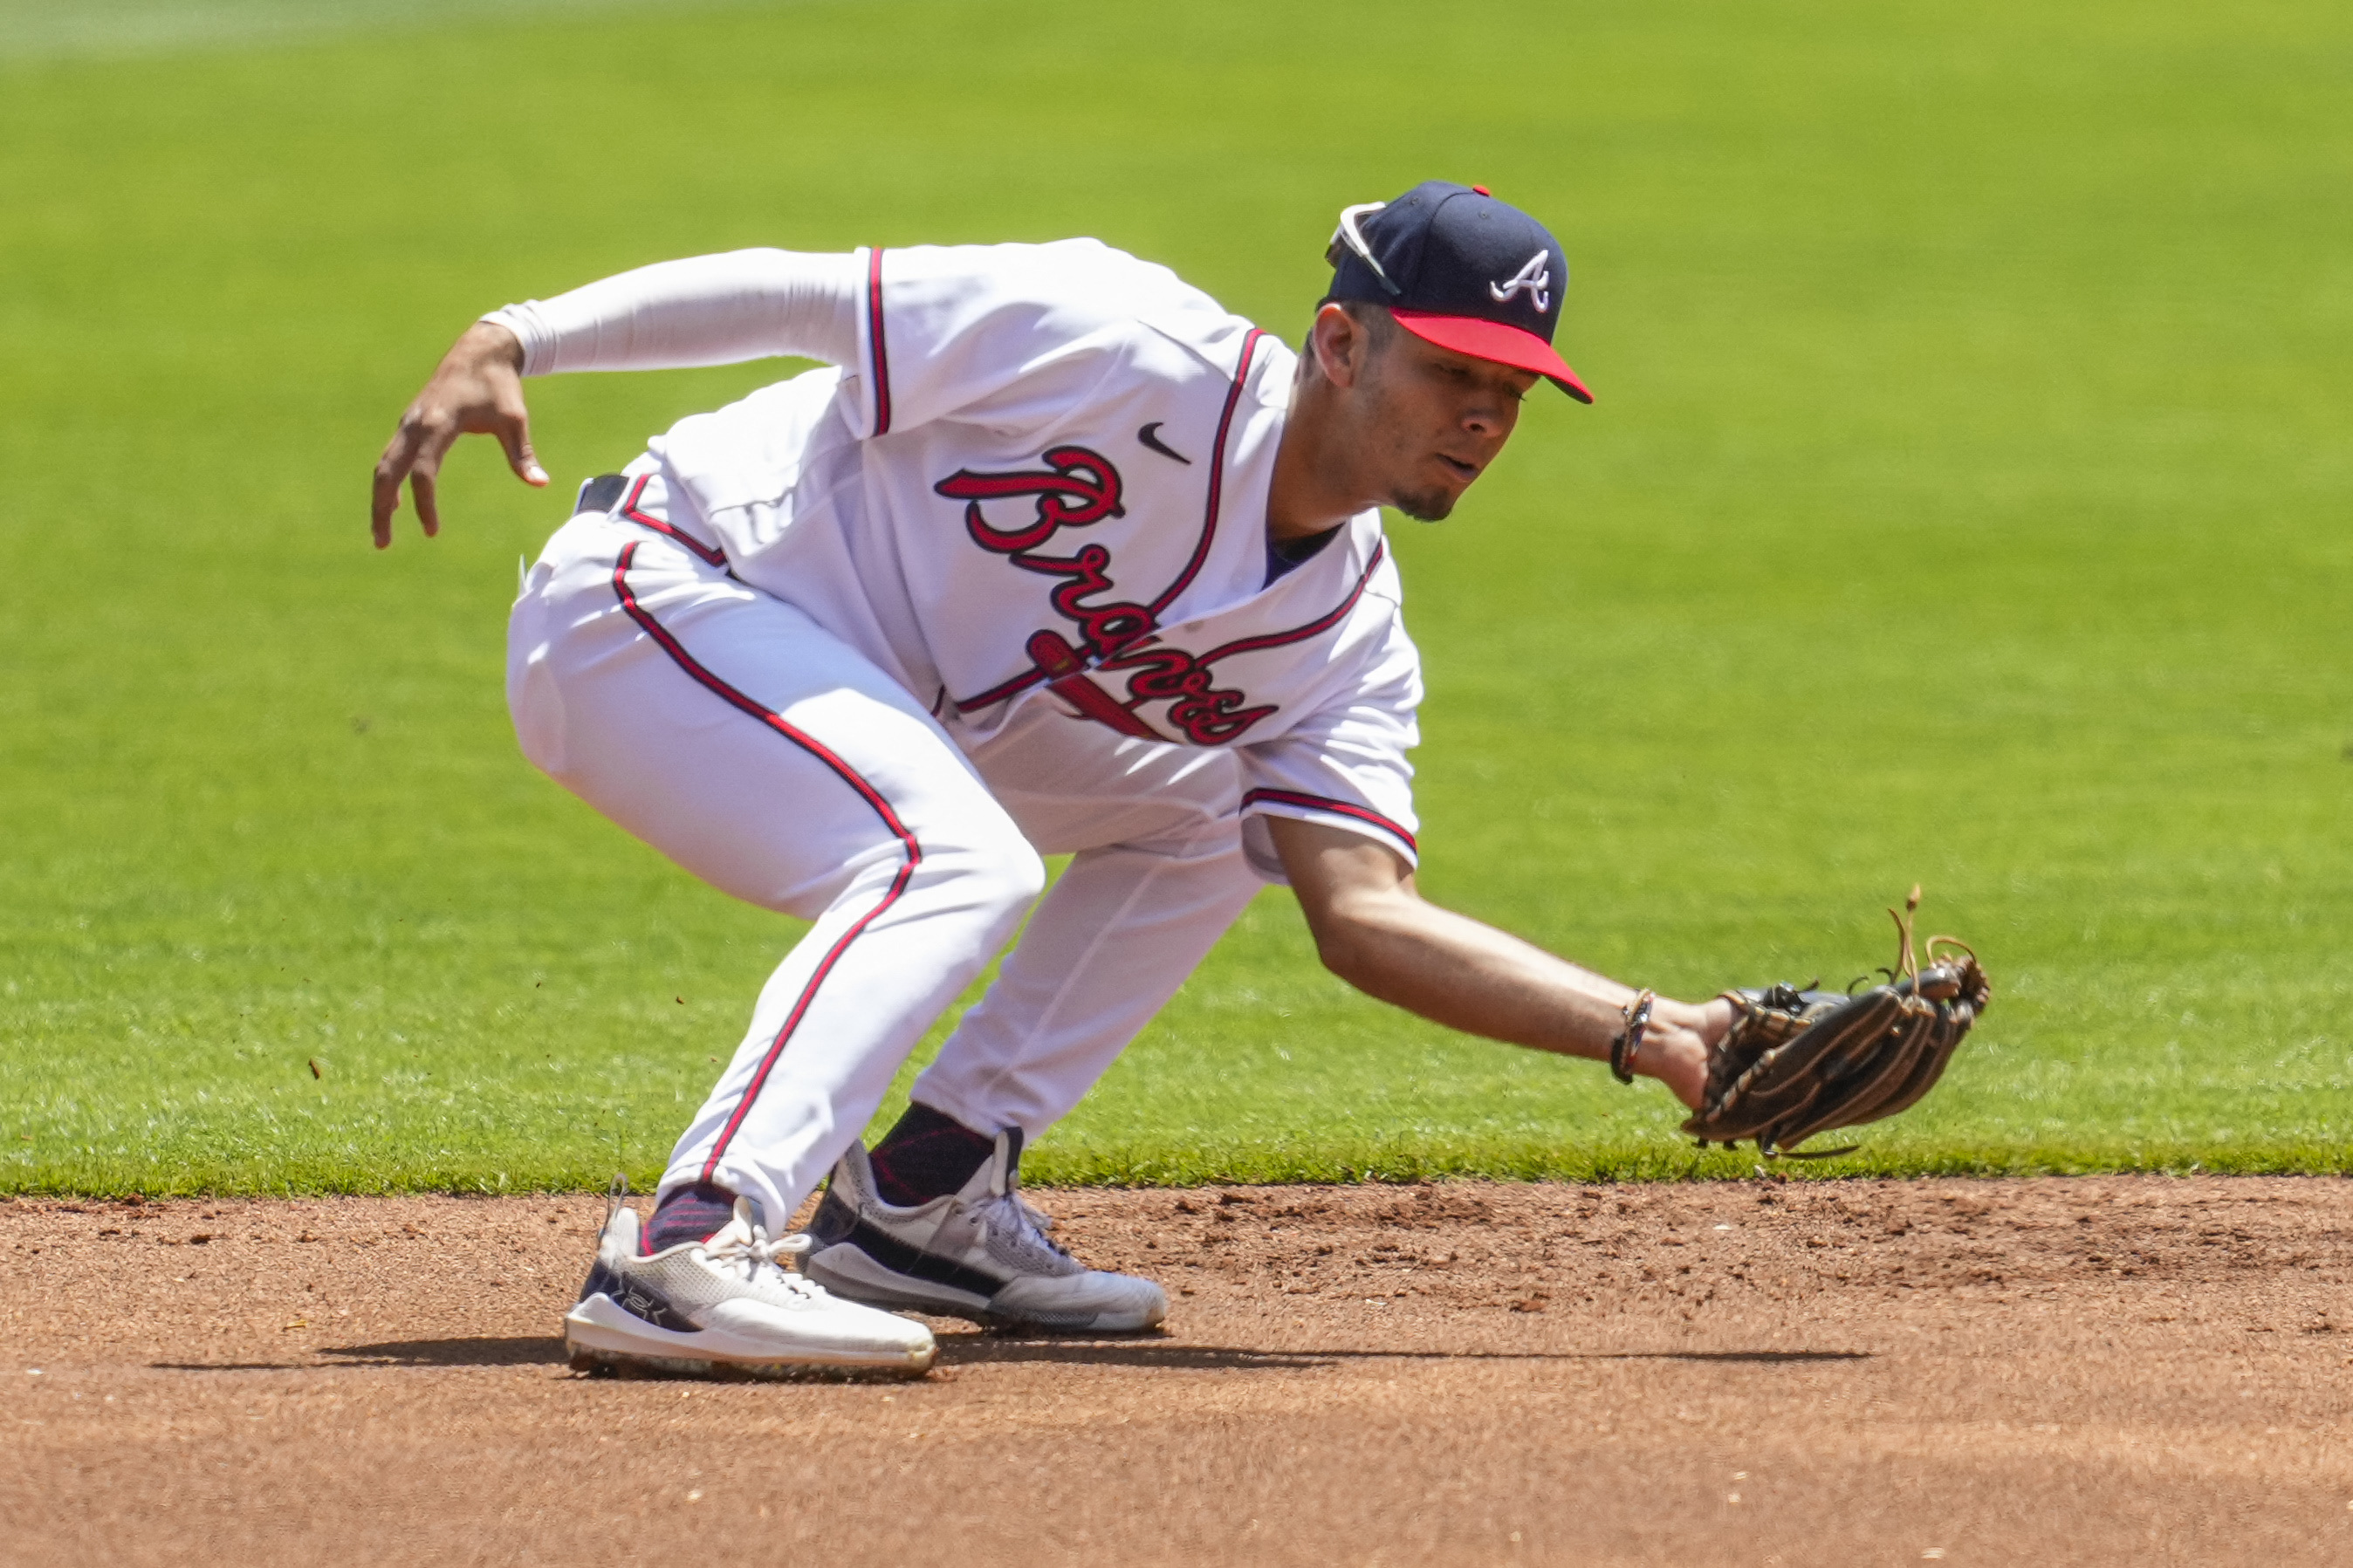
{"x": 526, "y": 1350}
{"x": 1762, "y": 1358}
{"x": 532, "y": 1350}
{"x": 983, "y": 1350}
{"x": 980, "y": 1350}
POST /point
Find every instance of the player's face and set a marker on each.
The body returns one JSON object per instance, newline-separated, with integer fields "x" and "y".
{"x": 1434, "y": 419}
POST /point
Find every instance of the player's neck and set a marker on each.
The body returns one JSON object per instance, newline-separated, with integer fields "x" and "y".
{"x": 1317, "y": 486}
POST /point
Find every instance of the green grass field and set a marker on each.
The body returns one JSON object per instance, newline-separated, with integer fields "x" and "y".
{"x": 1966, "y": 502}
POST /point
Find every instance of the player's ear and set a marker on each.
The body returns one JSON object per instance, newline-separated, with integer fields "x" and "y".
{"x": 1339, "y": 344}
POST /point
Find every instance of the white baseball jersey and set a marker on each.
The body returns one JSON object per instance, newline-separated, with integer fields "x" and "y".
{"x": 1043, "y": 477}
{"x": 861, "y": 645}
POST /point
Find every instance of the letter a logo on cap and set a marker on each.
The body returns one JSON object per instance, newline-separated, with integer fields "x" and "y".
{"x": 1535, "y": 278}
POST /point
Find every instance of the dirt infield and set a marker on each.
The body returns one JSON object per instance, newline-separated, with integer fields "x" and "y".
{"x": 2095, "y": 1371}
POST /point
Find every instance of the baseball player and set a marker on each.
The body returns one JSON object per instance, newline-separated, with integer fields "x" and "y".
{"x": 1055, "y": 555}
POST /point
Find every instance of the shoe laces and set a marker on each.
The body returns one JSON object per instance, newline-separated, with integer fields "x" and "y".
{"x": 1009, "y": 1213}
{"x": 760, "y": 1252}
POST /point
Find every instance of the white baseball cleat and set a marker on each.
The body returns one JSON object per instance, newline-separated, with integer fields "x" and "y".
{"x": 726, "y": 1307}
{"x": 981, "y": 1254}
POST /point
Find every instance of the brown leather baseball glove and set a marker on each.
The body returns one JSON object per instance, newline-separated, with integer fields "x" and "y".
{"x": 1800, "y": 1062}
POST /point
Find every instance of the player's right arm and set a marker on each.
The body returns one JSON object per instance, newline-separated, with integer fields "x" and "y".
{"x": 704, "y": 310}
{"x": 1374, "y": 930}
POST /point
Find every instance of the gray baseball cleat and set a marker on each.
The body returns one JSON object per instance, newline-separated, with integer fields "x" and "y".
{"x": 727, "y": 1307}
{"x": 981, "y": 1254}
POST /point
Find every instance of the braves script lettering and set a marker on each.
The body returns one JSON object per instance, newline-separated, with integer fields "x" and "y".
{"x": 1206, "y": 715}
{"x": 1079, "y": 487}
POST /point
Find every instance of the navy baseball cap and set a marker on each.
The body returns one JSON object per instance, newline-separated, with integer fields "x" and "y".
{"x": 1460, "y": 270}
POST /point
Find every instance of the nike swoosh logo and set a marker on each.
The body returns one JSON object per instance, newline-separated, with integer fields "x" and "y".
{"x": 1148, "y": 439}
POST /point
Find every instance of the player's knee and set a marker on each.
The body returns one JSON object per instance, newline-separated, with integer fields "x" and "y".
{"x": 997, "y": 873}
{"x": 1019, "y": 875}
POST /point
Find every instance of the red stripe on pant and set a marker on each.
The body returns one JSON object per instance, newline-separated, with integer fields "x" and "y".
{"x": 848, "y": 776}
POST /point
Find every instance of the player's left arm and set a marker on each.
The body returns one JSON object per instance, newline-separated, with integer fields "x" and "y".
{"x": 702, "y": 310}
{"x": 1373, "y": 929}
{"x": 476, "y": 390}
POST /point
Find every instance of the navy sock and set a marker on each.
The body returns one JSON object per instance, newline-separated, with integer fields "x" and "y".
{"x": 688, "y": 1214}
{"x": 928, "y": 1154}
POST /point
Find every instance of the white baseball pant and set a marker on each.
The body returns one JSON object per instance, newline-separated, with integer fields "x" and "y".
{"x": 728, "y": 730}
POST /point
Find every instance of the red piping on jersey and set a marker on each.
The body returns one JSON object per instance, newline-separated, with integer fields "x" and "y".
{"x": 848, "y": 776}
{"x": 874, "y": 340}
{"x": 996, "y": 694}
{"x": 711, "y": 553}
{"x": 1324, "y": 803}
{"x": 1301, "y": 634}
{"x": 1216, "y": 477}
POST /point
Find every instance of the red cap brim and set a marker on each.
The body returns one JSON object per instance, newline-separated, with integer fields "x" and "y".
{"x": 1494, "y": 341}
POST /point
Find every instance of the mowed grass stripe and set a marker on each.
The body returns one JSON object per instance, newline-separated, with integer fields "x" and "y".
{"x": 32, "y": 32}
{"x": 1959, "y": 507}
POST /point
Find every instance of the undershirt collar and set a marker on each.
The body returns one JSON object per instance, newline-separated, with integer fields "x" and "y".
{"x": 1284, "y": 555}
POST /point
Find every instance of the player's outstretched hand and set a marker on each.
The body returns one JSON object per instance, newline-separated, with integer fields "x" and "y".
{"x": 478, "y": 390}
{"x": 1680, "y": 1043}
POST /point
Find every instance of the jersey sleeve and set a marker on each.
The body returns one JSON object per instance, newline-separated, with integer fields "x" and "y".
{"x": 1003, "y": 335}
{"x": 1343, "y": 767}
{"x": 703, "y": 311}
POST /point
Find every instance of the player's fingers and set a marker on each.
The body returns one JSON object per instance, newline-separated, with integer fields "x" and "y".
{"x": 436, "y": 432}
{"x": 384, "y": 502}
{"x": 421, "y": 491}
{"x": 390, "y": 469}
{"x": 514, "y": 434}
